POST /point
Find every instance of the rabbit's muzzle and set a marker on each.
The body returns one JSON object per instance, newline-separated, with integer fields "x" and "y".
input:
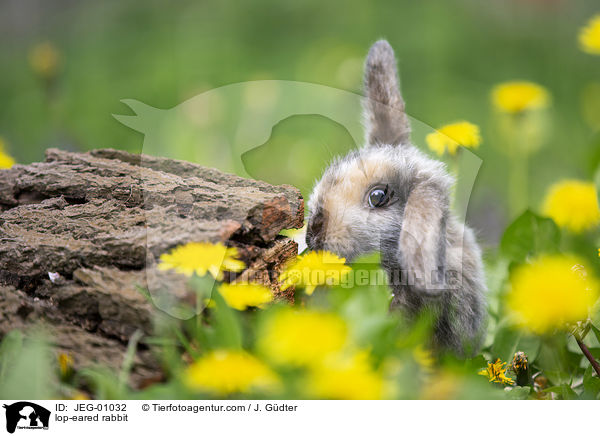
{"x": 315, "y": 231}
{"x": 325, "y": 233}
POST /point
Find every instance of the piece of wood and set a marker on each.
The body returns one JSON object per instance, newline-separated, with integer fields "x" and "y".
{"x": 97, "y": 222}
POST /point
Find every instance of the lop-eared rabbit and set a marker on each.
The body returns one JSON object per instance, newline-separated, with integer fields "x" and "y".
{"x": 390, "y": 197}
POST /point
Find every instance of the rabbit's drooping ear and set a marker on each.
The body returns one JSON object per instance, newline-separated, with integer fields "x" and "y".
{"x": 422, "y": 243}
{"x": 386, "y": 119}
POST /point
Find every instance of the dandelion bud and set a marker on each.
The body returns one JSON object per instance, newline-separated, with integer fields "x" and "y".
{"x": 520, "y": 366}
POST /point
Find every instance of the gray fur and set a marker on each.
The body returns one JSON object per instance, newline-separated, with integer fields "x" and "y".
{"x": 384, "y": 107}
{"x": 419, "y": 238}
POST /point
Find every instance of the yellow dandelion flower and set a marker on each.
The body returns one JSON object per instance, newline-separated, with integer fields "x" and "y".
{"x": 200, "y": 258}
{"x": 346, "y": 378}
{"x": 451, "y": 136}
{"x": 240, "y": 296}
{"x": 573, "y": 205}
{"x": 518, "y": 96}
{"x": 589, "y": 36}
{"x": 65, "y": 363}
{"x": 314, "y": 269}
{"x": 44, "y": 59}
{"x": 302, "y": 337}
{"x": 495, "y": 372}
{"x": 5, "y": 160}
{"x": 550, "y": 292}
{"x": 226, "y": 372}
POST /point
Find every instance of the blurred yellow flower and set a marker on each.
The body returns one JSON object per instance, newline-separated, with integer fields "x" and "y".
{"x": 346, "y": 378}
{"x": 589, "y": 36}
{"x": 444, "y": 385}
{"x": 424, "y": 357}
{"x": 314, "y": 269}
{"x": 451, "y": 136}
{"x": 65, "y": 363}
{"x": 226, "y": 372}
{"x": 495, "y": 372}
{"x": 78, "y": 396}
{"x": 5, "y": 160}
{"x": 240, "y": 296}
{"x": 518, "y": 96}
{"x": 44, "y": 59}
{"x": 304, "y": 337}
{"x": 200, "y": 258}
{"x": 550, "y": 292}
{"x": 573, "y": 204}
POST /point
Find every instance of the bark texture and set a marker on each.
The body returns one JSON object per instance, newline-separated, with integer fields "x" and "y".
{"x": 81, "y": 234}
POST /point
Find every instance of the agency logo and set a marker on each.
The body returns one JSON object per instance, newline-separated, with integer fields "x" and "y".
{"x": 239, "y": 129}
{"x": 26, "y": 415}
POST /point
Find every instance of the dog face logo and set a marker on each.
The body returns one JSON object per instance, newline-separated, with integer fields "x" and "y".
{"x": 26, "y": 415}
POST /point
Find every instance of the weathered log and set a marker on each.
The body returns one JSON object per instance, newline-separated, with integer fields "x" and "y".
{"x": 81, "y": 233}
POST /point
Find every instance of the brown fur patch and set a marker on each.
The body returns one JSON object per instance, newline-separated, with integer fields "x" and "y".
{"x": 355, "y": 179}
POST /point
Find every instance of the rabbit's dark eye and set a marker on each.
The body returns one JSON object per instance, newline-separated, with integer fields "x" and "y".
{"x": 379, "y": 196}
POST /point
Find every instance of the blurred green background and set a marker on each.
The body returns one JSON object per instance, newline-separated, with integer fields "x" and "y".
{"x": 451, "y": 54}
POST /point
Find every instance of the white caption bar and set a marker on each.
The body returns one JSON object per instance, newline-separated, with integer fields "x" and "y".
{"x": 296, "y": 417}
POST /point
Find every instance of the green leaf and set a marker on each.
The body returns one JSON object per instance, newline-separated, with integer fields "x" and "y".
{"x": 508, "y": 341}
{"x": 204, "y": 287}
{"x": 596, "y": 331}
{"x": 529, "y": 235}
{"x": 145, "y": 293}
{"x": 564, "y": 391}
{"x": 228, "y": 332}
{"x": 183, "y": 340}
{"x": 595, "y": 352}
{"x": 530, "y": 345}
{"x": 10, "y": 349}
{"x": 373, "y": 259}
{"x": 556, "y": 361}
{"x": 29, "y": 373}
{"x": 129, "y": 358}
{"x": 591, "y": 383}
{"x": 103, "y": 382}
{"x": 505, "y": 343}
{"x": 518, "y": 393}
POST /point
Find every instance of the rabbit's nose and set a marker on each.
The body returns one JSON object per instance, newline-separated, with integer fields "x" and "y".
{"x": 315, "y": 231}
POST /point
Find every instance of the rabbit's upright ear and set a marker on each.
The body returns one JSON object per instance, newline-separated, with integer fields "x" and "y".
{"x": 386, "y": 119}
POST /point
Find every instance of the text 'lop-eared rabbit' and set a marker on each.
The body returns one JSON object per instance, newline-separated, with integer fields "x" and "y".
{"x": 390, "y": 197}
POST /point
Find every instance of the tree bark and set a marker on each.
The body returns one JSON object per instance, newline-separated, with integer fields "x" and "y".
{"x": 81, "y": 233}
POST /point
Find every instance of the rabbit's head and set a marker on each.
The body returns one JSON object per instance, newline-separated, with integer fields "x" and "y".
{"x": 361, "y": 204}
